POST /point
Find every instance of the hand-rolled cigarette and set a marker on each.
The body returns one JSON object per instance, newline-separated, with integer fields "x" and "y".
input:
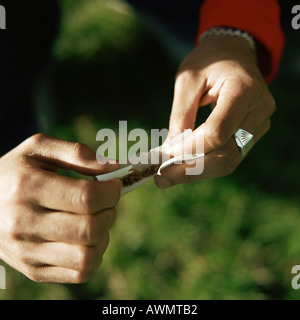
{"x": 134, "y": 176}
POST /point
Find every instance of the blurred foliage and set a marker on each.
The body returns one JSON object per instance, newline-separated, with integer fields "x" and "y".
{"x": 89, "y": 26}
{"x": 230, "y": 238}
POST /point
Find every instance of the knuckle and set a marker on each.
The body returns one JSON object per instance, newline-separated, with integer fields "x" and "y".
{"x": 88, "y": 197}
{"x": 216, "y": 137}
{"x": 88, "y": 231}
{"x": 256, "y": 85}
{"x": 253, "y": 83}
{"x": 183, "y": 76}
{"x": 80, "y": 150}
{"x": 36, "y": 139}
{"x": 187, "y": 78}
{"x": 24, "y": 259}
{"x": 85, "y": 261}
{"x": 80, "y": 277}
{"x": 108, "y": 217}
{"x": 32, "y": 274}
{"x": 13, "y": 226}
{"x": 18, "y": 183}
{"x": 22, "y": 254}
{"x": 92, "y": 227}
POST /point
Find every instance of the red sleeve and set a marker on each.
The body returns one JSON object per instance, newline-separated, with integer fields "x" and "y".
{"x": 261, "y": 19}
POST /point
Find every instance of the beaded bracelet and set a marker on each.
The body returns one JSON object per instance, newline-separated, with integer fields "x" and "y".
{"x": 229, "y": 32}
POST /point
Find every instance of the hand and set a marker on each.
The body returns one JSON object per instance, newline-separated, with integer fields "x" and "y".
{"x": 54, "y": 228}
{"x": 220, "y": 71}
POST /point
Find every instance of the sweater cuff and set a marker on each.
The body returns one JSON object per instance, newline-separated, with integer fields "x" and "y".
{"x": 261, "y": 19}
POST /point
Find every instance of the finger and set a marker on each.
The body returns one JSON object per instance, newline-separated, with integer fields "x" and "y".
{"x": 215, "y": 164}
{"x": 66, "y": 227}
{"x": 231, "y": 108}
{"x": 234, "y": 103}
{"x": 52, "y": 274}
{"x": 57, "y": 192}
{"x": 261, "y": 113}
{"x": 218, "y": 163}
{"x": 58, "y": 254}
{"x": 54, "y": 153}
{"x": 187, "y": 93}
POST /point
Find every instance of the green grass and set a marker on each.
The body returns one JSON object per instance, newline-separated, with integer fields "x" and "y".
{"x": 231, "y": 238}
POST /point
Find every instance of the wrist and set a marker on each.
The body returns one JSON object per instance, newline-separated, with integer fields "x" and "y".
{"x": 230, "y": 33}
{"x": 226, "y": 48}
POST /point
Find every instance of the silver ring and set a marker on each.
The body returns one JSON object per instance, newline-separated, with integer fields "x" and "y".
{"x": 244, "y": 140}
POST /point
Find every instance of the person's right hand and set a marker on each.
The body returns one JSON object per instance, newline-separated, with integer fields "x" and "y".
{"x": 54, "y": 228}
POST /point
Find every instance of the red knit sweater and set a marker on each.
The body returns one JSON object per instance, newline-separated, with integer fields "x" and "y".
{"x": 260, "y": 18}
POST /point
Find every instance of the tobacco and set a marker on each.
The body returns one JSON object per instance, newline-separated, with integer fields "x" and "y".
{"x": 136, "y": 176}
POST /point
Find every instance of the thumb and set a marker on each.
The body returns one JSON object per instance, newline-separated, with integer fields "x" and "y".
{"x": 54, "y": 153}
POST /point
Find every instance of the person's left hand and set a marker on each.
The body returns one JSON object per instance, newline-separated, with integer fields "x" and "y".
{"x": 221, "y": 71}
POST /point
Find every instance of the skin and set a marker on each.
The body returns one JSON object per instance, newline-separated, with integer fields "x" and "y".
{"x": 54, "y": 228}
{"x": 220, "y": 71}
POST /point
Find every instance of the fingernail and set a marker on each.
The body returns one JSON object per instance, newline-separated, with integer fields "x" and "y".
{"x": 164, "y": 183}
